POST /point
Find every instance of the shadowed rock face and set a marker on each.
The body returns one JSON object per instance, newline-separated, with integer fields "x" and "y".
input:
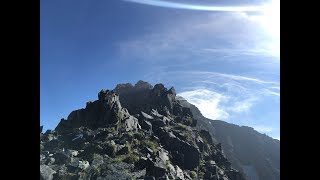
{"x": 254, "y": 154}
{"x": 106, "y": 111}
{"x": 144, "y": 97}
{"x": 137, "y": 131}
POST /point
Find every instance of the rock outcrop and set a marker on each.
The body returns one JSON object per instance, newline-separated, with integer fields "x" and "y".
{"x": 106, "y": 111}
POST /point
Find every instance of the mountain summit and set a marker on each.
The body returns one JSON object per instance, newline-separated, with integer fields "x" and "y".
{"x": 133, "y": 132}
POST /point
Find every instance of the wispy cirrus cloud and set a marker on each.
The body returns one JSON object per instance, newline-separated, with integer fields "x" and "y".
{"x": 185, "y": 5}
{"x": 217, "y": 105}
{"x": 214, "y": 34}
{"x": 223, "y": 96}
{"x": 237, "y": 85}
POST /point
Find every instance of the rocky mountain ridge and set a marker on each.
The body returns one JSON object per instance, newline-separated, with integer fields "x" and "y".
{"x": 133, "y": 132}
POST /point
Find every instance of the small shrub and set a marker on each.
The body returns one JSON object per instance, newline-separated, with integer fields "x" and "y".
{"x": 112, "y": 129}
{"x": 131, "y": 158}
{"x": 95, "y": 171}
{"x": 135, "y": 142}
{"x": 188, "y": 121}
{"x": 119, "y": 116}
{"x": 189, "y": 137}
{"x": 151, "y": 144}
{"x": 181, "y": 126}
{"x": 119, "y": 158}
{"x": 193, "y": 174}
{"x": 138, "y": 136}
{"x": 129, "y": 147}
{"x": 201, "y": 174}
{"x": 97, "y": 156}
{"x": 204, "y": 140}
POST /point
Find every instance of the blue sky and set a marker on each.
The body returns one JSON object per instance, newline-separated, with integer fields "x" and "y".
{"x": 225, "y": 62}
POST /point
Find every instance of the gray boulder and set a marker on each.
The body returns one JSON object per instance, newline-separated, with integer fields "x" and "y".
{"x": 190, "y": 153}
{"x": 46, "y": 173}
{"x": 132, "y": 124}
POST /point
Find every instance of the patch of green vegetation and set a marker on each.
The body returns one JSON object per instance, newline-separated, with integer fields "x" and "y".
{"x": 129, "y": 147}
{"x": 121, "y": 128}
{"x": 188, "y": 121}
{"x": 202, "y": 162}
{"x": 153, "y": 145}
{"x": 167, "y": 164}
{"x": 97, "y": 156}
{"x": 135, "y": 142}
{"x": 119, "y": 116}
{"x": 130, "y": 134}
{"x": 181, "y": 126}
{"x": 131, "y": 158}
{"x": 113, "y": 148}
{"x": 200, "y": 175}
{"x": 128, "y": 158}
{"x": 95, "y": 171}
{"x": 204, "y": 140}
{"x": 117, "y": 159}
{"x": 187, "y": 136}
{"x": 112, "y": 129}
{"x": 193, "y": 174}
{"x": 138, "y": 136}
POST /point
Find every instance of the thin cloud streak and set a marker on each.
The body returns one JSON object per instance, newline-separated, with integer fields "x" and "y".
{"x": 175, "y": 5}
{"x": 232, "y": 77}
{"x": 238, "y": 86}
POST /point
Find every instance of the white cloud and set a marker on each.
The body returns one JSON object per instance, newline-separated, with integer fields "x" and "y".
{"x": 242, "y": 106}
{"x": 218, "y": 106}
{"x": 208, "y": 102}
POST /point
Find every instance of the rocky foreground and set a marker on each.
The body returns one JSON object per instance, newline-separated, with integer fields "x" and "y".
{"x": 150, "y": 135}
